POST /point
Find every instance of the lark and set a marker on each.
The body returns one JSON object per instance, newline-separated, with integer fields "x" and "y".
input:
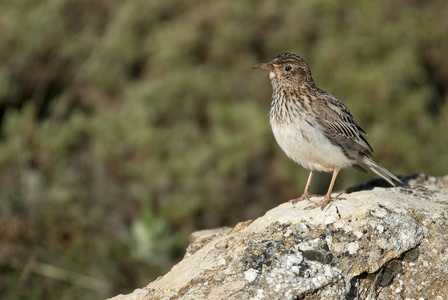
{"x": 314, "y": 128}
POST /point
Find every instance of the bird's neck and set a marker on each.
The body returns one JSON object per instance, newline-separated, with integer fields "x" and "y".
{"x": 285, "y": 106}
{"x": 288, "y": 102}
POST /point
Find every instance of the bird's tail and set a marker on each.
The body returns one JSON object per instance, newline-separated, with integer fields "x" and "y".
{"x": 388, "y": 176}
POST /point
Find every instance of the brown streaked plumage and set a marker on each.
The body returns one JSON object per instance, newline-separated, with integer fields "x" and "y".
{"x": 313, "y": 127}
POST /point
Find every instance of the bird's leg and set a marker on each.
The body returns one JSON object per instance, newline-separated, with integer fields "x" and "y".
{"x": 328, "y": 197}
{"x": 306, "y": 194}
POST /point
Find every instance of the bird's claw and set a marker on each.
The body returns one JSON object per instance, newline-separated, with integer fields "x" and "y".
{"x": 322, "y": 204}
{"x": 305, "y": 196}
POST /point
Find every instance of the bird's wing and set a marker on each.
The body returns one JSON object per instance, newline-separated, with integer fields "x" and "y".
{"x": 339, "y": 126}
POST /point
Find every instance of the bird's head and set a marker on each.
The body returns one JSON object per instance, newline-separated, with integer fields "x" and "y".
{"x": 287, "y": 70}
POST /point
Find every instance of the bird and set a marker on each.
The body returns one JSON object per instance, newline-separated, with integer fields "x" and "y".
{"x": 314, "y": 128}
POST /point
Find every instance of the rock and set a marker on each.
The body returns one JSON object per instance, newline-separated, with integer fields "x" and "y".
{"x": 384, "y": 243}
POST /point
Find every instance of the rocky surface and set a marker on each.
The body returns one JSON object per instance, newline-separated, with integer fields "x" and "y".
{"x": 380, "y": 243}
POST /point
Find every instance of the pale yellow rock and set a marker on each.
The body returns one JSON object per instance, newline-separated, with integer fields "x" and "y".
{"x": 381, "y": 241}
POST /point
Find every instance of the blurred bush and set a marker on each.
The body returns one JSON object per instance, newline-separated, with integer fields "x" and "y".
{"x": 126, "y": 125}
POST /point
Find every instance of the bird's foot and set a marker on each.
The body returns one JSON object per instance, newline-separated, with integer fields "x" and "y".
{"x": 322, "y": 204}
{"x": 305, "y": 196}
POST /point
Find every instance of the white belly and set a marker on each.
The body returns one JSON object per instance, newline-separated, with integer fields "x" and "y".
{"x": 311, "y": 149}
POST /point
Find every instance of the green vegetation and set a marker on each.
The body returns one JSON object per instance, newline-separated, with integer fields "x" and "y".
{"x": 126, "y": 125}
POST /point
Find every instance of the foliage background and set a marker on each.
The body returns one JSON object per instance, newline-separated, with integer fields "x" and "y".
{"x": 126, "y": 125}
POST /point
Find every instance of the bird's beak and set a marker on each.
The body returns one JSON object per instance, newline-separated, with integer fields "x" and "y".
{"x": 265, "y": 66}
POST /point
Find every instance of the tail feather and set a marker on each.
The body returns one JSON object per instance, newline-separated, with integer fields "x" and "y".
{"x": 381, "y": 171}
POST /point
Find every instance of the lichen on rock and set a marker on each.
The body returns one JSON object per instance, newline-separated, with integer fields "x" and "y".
{"x": 390, "y": 243}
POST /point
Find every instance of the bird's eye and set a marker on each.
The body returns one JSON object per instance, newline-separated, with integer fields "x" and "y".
{"x": 288, "y": 68}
